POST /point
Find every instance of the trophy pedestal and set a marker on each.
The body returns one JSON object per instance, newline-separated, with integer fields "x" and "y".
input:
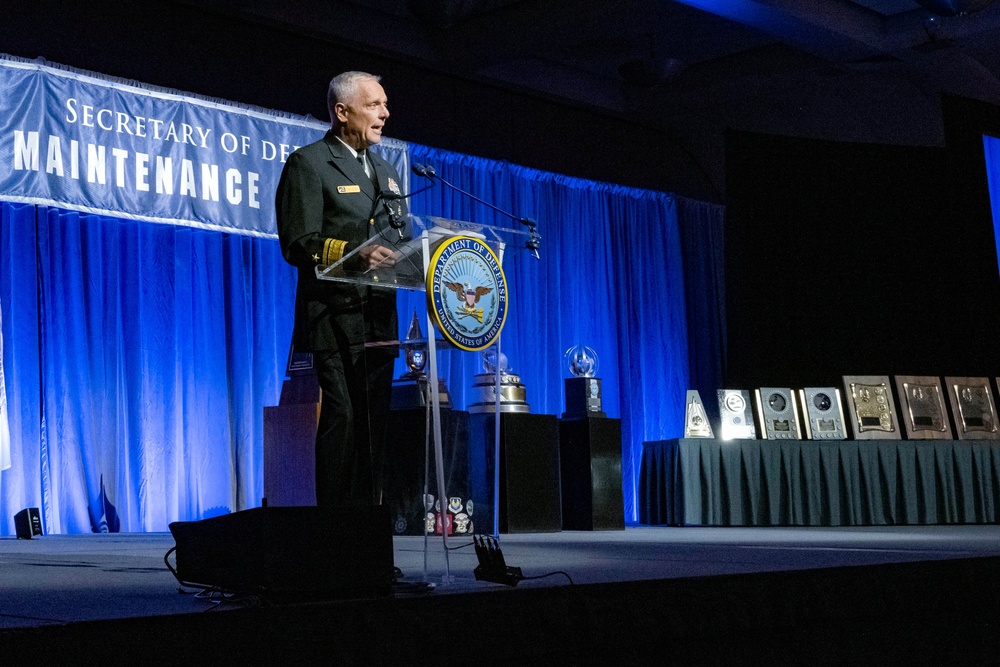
{"x": 290, "y": 444}
{"x": 529, "y": 469}
{"x": 403, "y": 475}
{"x": 590, "y": 462}
{"x": 583, "y": 398}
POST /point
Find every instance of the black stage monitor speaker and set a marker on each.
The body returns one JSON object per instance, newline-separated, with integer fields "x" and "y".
{"x": 28, "y": 522}
{"x": 289, "y": 552}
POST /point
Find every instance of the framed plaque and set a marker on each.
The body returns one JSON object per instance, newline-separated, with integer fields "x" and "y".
{"x": 922, "y": 409}
{"x": 777, "y": 413}
{"x": 973, "y": 408}
{"x": 696, "y": 424}
{"x": 872, "y": 410}
{"x": 822, "y": 413}
{"x": 736, "y": 415}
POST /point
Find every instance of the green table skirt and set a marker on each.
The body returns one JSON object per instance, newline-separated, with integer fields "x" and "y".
{"x": 705, "y": 482}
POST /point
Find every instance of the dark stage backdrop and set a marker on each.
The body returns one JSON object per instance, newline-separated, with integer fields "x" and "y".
{"x": 847, "y": 259}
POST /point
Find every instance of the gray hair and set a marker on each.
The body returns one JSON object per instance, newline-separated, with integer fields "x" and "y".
{"x": 344, "y": 87}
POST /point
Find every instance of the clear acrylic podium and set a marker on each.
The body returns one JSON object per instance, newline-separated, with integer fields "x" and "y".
{"x": 413, "y": 246}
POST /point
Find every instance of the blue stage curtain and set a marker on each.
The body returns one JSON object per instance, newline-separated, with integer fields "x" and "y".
{"x": 20, "y": 484}
{"x": 703, "y": 238}
{"x": 140, "y": 355}
{"x": 611, "y": 276}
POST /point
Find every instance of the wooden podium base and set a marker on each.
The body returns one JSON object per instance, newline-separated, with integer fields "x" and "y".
{"x": 290, "y": 444}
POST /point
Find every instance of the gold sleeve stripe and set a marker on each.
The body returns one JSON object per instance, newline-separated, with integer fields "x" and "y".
{"x": 333, "y": 250}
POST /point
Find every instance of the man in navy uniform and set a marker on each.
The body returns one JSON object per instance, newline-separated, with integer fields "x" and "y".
{"x": 328, "y": 204}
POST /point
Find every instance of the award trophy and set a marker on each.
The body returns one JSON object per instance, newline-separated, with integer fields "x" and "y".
{"x": 512, "y": 392}
{"x": 921, "y": 404}
{"x": 972, "y": 405}
{"x": 873, "y": 413}
{"x": 696, "y": 424}
{"x": 583, "y": 390}
{"x": 409, "y": 390}
{"x": 822, "y": 413}
{"x": 777, "y": 413}
{"x": 736, "y": 415}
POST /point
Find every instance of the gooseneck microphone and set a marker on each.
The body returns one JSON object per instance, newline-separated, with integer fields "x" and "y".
{"x": 534, "y": 238}
{"x": 393, "y": 209}
{"x": 395, "y": 213}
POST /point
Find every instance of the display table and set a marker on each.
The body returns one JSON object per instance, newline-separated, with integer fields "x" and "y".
{"x": 706, "y": 482}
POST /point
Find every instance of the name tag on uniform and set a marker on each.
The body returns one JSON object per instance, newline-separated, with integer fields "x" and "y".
{"x": 348, "y": 189}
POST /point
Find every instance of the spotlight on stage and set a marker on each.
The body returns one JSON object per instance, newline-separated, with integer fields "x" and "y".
{"x": 492, "y": 566}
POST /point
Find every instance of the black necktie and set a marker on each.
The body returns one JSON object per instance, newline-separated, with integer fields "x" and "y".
{"x": 370, "y": 168}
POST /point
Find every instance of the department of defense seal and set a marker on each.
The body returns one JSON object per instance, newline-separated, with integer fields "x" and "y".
{"x": 467, "y": 292}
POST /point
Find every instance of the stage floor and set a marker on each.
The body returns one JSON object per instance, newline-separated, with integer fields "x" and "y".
{"x": 64, "y": 579}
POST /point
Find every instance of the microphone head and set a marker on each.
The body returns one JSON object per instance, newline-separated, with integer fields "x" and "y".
{"x": 430, "y": 170}
{"x": 419, "y": 169}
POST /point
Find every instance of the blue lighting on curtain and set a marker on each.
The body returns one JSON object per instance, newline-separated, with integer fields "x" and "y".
{"x": 145, "y": 353}
{"x": 991, "y": 147}
{"x": 611, "y": 276}
{"x": 141, "y": 352}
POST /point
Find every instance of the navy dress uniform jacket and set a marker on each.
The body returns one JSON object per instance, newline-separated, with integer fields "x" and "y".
{"x": 326, "y": 207}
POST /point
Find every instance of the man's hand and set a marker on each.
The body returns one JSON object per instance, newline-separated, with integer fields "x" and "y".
{"x": 375, "y": 256}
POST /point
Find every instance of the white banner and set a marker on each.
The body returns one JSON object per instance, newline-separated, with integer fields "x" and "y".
{"x": 77, "y": 141}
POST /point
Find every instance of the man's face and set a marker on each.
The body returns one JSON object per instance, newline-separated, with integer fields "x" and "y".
{"x": 362, "y": 117}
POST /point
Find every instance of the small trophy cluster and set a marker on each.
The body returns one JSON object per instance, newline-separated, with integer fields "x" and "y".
{"x": 962, "y": 407}
{"x": 411, "y": 389}
{"x": 456, "y": 520}
{"x": 584, "y": 397}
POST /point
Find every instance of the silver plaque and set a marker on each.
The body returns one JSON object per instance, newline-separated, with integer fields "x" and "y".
{"x": 972, "y": 406}
{"x": 873, "y": 412}
{"x": 777, "y": 413}
{"x": 736, "y": 415}
{"x": 696, "y": 424}
{"x": 921, "y": 404}
{"x": 822, "y": 413}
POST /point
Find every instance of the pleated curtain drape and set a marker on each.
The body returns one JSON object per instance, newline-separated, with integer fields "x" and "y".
{"x": 139, "y": 356}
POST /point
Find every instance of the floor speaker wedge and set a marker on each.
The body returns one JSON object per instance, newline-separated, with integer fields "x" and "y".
{"x": 289, "y": 552}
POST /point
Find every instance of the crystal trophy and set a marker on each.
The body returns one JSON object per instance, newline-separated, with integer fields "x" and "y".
{"x": 696, "y": 424}
{"x": 921, "y": 404}
{"x": 777, "y": 413}
{"x": 736, "y": 415}
{"x": 822, "y": 413}
{"x": 409, "y": 390}
{"x": 972, "y": 406}
{"x": 583, "y": 390}
{"x": 873, "y": 412}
